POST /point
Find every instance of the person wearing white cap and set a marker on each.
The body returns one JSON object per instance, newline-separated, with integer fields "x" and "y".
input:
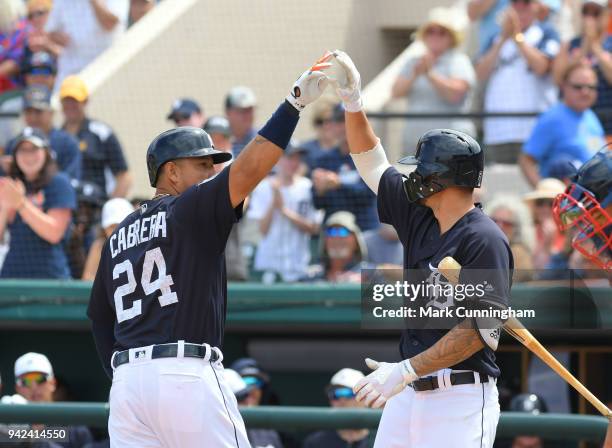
{"x": 259, "y": 438}
{"x": 340, "y": 395}
{"x": 34, "y": 378}
{"x": 240, "y": 105}
{"x": 114, "y": 211}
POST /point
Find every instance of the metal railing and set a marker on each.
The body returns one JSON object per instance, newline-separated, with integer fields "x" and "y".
{"x": 287, "y": 418}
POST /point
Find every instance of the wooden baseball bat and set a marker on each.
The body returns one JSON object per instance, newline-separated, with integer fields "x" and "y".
{"x": 450, "y": 269}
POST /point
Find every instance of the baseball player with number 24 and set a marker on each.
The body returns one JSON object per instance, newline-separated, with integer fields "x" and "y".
{"x": 443, "y": 394}
{"x": 158, "y": 302}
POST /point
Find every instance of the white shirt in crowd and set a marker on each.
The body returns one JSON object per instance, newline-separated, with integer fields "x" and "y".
{"x": 285, "y": 249}
{"x": 88, "y": 39}
{"x": 513, "y": 87}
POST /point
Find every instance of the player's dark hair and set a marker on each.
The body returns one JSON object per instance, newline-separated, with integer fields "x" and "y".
{"x": 571, "y": 68}
{"x": 48, "y": 170}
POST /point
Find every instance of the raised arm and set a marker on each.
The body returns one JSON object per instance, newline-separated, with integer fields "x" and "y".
{"x": 366, "y": 151}
{"x": 261, "y": 154}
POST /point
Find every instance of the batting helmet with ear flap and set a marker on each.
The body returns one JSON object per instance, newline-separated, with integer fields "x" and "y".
{"x": 181, "y": 143}
{"x": 444, "y": 158}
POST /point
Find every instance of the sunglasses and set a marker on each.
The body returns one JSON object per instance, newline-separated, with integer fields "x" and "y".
{"x": 436, "y": 31}
{"x": 589, "y": 87}
{"x": 181, "y": 117}
{"x": 340, "y": 392}
{"x": 591, "y": 11}
{"x": 503, "y": 222}
{"x": 29, "y": 379}
{"x": 35, "y": 14}
{"x": 337, "y": 232}
{"x": 322, "y": 121}
{"x": 253, "y": 381}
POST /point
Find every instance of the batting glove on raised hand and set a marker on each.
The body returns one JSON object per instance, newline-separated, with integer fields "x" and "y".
{"x": 347, "y": 82}
{"x": 386, "y": 380}
{"x": 311, "y": 84}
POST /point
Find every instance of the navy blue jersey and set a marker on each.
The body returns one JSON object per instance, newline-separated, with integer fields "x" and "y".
{"x": 162, "y": 275}
{"x": 474, "y": 241}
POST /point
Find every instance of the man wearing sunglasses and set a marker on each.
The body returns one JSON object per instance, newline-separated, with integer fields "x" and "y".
{"x": 35, "y": 381}
{"x": 443, "y": 393}
{"x": 340, "y": 395}
{"x": 187, "y": 112}
{"x": 568, "y": 129}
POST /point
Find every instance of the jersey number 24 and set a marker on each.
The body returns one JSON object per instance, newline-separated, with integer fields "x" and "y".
{"x": 153, "y": 257}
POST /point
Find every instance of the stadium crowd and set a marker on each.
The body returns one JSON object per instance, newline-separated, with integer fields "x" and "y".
{"x": 64, "y": 190}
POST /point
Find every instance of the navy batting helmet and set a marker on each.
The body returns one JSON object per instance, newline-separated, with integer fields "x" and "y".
{"x": 444, "y": 158}
{"x": 181, "y": 143}
{"x": 530, "y": 403}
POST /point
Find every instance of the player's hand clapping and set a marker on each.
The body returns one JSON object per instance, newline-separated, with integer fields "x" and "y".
{"x": 309, "y": 87}
{"x": 348, "y": 82}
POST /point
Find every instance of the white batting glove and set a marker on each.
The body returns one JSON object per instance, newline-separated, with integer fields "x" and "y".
{"x": 348, "y": 82}
{"x": 386, "y": 380}
{"x": 311, "y": 84}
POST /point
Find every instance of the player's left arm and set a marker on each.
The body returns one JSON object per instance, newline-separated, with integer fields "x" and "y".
{"x": 257, "y": 159}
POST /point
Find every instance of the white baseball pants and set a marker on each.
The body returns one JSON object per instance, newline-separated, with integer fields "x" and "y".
{"x": 463, "y": 416}
{"x": 173, "y": 402}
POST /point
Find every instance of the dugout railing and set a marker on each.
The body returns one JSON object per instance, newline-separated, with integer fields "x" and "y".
{"x": 566, "y": 427}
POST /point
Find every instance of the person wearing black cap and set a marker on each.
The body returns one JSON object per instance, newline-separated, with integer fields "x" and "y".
{"x": 36, "y": 204}
{"x": 39, "y": 67}
{"x": 39, "y": 114}
{"x": 186, "y": 112}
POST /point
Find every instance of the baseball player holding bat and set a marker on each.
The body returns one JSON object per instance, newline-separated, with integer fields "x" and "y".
{"x": 443, "y": 393}
{"x": 158, "y": 302}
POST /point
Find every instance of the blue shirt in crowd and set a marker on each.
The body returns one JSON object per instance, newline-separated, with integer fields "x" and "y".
{"x": 561, "y": 131}
{"x": 353, "y": 195}
{"x": 30, "y": 256}
{"x": 238, "y": 145}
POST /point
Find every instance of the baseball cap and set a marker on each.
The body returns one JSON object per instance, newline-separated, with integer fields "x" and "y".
{"x": 115, "y": 210}
{"x": 32, "y": 362}
{"x": 547, "y": 188}
{"x": 240, "y": 97}
{"x": 338, "y": 113}
{"x": 602, "y": 3}
{"x": 346, "y": 378}
{"x": 218, "y": 125}
{"x": 39, "y": 63}
{"x": 249, "y": 370}
{"x": 183, "y": 106}
{"x": 74, "y": 87}
{"x": 32, "y": 135}
{"x": 88, "y": 192}
{"x": 237, "y": 384}
{"x": 37, "y": 97}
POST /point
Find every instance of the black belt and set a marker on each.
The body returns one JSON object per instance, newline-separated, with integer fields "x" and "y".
{"x": 168, "y": 351}
{"x": 431, "y": 382}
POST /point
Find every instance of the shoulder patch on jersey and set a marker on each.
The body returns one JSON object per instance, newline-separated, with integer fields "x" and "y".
{"x": 102, "y": 130}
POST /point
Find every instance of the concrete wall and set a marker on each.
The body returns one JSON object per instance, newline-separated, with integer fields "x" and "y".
{"x": 201, "y": 48}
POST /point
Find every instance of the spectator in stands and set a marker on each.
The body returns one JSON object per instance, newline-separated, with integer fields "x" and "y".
{"x": 84, "y": 30}
{"x": 440, "y": 80}
{"x": 101, "y": 151}
{"x": 219, "y": 130}
{"x": 13, "y": 32}
{"x": 570, "y": 128}
{"x": 340, "y": 395}
{"x": 138, "y": 9}
{"x": 243, "y": 392}
{"x": 35, "y": 381}
{"x": 548, "y": 239}
{"x": 240, "y": 105}
{"x": 593, "y": 46}
{"x": 326, "y": 134}
{"x": 283, "y": 206}
{"x": 532, "y": 404}
{"x": 516, "y": 65}
{"x": 261, "y": 392}
{"x": 114, "y": 211}
{"x": 343, "y": 250}
{"x": 338, "y": 186}
{"x": 36, "y": 204}
{"x": 39, "y": 114}
{"x": 39, "y": 67}
{"x": 486, "y": 13}
{"x": 513, "y": 217}
{"x": 37, "y": 38}
{"x": 186, "y": 112}
{"x": 384, "y": 247}
{"x": 86, "y": 220}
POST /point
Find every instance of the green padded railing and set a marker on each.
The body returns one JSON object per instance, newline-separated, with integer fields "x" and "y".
{"x": 549, "y": 426}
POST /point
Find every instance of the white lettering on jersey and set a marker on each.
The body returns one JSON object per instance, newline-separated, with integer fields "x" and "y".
{"x": 140, "y": 231}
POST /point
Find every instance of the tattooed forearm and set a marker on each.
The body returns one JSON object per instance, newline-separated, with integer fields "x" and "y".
{"x": 457, "y": 345}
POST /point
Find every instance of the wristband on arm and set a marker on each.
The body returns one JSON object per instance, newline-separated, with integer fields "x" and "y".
{"x": 281, "y": 125}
